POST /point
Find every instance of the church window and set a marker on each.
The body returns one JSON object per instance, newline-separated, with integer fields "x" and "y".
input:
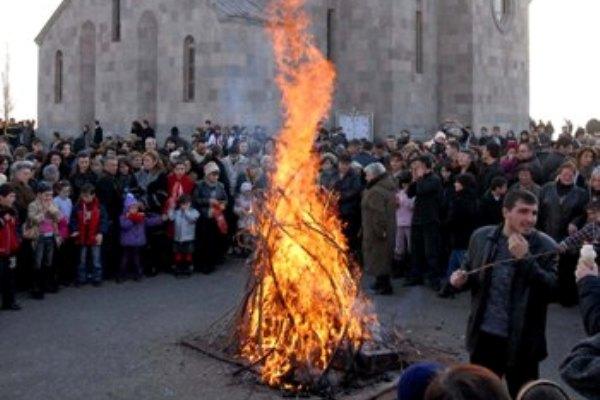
{"x": 189, "y": 67}
{"x": 419, "y": 39}
{"x": 330, "y": 32}
{"x": 58, "y": 77}
{"x": 503, "y": 11}
{"x": 116, "y": 20}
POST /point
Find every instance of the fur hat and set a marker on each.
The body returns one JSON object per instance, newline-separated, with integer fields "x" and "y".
{"x": 211, "y": 167}
{"x": 415, "y": 379}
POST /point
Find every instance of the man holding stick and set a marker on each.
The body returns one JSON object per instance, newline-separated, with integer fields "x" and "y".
{"x": 511, "y": 270}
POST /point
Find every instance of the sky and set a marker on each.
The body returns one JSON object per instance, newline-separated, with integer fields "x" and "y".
{"x": 564, "y": 62}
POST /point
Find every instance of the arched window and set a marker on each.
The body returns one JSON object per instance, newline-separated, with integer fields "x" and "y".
{"x": 503, "y": 11}
{"x": 58, "y": 77}
{"x": 116, "y": 20}
{"x": 189, "y": 67}
{"x": 419, "y": 38}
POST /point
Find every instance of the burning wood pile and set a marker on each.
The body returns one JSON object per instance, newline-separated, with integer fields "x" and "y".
{"x": 304, "y": 307}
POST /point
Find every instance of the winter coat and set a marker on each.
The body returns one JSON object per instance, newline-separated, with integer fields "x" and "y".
{"x": 133, "y": 228}
{"x": 177, "y": 187}
{"x": 78, "y": 180}
{"x": 24, "y": 196}
{"x": 349, "y": 188}
{"x": 534, "y": 285}
{"x": 427, "y": 193}
{"x": 551, "y": 165}
{"x": 184, "y": 223}
{"x": 462, "y": 218}
{"x": 486, "y": 174}
{"x": 490, "y": 210}
{"x": 581, "y": 368}
{"x": 154, "y": 189}
{"x": 589, "y": 295}
{"x": 235, "y": 168}
{"x": 36, "y": 215}
{"x": 9, "y": 239}
{"x": 328, "y": 178}
{"x": 244, "y": 204}
{"x": 378, "y": 209}
{"x": 204, "y": 192}
{"x": 109, "y": 194}
{"x": 556, "y": 214}
{"x": 88, "y": 229}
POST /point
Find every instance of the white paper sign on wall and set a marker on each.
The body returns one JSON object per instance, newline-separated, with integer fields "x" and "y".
{"x": 355, "y": 124}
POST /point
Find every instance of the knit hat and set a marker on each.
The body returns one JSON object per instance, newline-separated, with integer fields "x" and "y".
{"x": 439, "y": 136}
{"x": 246, "y": 187}
{"x": 130, "y": 200}
{"x": 211, "y": 167}
{"x": 415, "y": 380}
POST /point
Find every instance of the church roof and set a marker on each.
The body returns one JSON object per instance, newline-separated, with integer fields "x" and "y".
{"x": 40, "y": 37}
{"x": 253, "y": 10}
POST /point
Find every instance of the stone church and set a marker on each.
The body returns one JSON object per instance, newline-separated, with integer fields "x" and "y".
{"x": 408, "y": 63}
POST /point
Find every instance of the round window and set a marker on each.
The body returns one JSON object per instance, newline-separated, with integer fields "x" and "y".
{"x": 503, "y": 11}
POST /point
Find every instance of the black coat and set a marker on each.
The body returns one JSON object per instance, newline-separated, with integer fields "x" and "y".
{"x": 204, "y": 192}
{"x": 349, "y": 188}
{"x": 556, "y": 214}
{"x": 98, "y": 135}
{"x": 427, "y": 193}
{"x": 78, "y": 180}
{"x": 589, "y": 295}
{"x": 108, "y": 190}
{"x": 486, "y": 174}
{"x": 462, "y": 218}
{"x": 534, "y": 285}
{"x": 551, "y": 165}
{"x": 490, "y": 210}
{"x": 581, "y": 369}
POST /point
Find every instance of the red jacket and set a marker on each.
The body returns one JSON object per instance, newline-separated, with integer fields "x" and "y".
{"x": 88, "y": 228}
{"x": 9, "y": 239}
{"x": 178, "y": 186}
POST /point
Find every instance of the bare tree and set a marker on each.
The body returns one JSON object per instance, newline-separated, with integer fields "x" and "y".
{"x": 6, "y": 95}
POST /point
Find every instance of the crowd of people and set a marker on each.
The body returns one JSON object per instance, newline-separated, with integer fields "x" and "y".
{"x": 483, "y": 211}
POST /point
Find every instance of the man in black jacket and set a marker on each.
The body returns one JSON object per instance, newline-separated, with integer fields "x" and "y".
{"x": 426, "y": 189}
{"x": 581, "y": 369}
{"x": 349, "y": 187}
{"x": 490, "y": 167}
{"x": 506, "y": 328}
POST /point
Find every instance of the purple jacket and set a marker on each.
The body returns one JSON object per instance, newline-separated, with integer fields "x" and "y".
{"x": 134, "y": 235}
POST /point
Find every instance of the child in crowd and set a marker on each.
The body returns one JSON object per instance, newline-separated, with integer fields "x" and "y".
{"x": 404, "y": 213}
{"x": 184, "y": 219}
{"x": 133, "y": 236}
{"x": 246, "y": 220}
{"x": 9, "y": 246}
{"x": 64, "y": 254}
{"x": 89, "y": 224}
{"x": 43, "y": 217}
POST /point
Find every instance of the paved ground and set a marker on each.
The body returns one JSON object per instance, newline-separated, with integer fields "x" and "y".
{"x": 120, "y": 341}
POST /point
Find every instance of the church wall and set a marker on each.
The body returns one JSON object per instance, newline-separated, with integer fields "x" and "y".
{"x": 501, "y": 68}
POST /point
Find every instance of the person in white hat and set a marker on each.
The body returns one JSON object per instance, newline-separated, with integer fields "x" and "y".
{"x": 210, "y": 199}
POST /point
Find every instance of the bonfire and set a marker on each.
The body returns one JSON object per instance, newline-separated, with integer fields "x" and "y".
{"x": 304, "y": 307}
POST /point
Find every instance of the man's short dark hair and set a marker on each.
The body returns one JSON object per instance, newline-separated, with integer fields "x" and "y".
{"x": 494, "y": 149}
{"x": 426, "y": 160}
{"x": 6, "y": 189}
{"x": 514, "y": 196}
{"x": 497, "y": 182}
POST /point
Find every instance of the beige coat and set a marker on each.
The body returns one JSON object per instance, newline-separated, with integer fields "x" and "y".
{"x": 379, "y": 225}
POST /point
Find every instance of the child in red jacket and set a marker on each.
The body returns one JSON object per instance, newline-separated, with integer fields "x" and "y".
{"x": 9, "y": 245}
{"x": 89, "y": 224}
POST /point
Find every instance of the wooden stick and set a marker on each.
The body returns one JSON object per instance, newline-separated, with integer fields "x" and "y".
{"x": 496, "y": 263}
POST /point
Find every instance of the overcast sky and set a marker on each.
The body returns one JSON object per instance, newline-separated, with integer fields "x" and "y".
{"x": 565, "y": 63}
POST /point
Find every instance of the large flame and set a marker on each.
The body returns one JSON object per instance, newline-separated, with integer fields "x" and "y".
{"x": 306, "y": 303}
